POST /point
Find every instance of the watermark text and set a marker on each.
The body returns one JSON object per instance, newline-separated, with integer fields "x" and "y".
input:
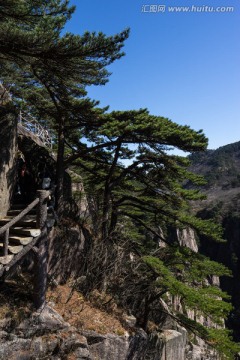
{"x": 158, "y": 8}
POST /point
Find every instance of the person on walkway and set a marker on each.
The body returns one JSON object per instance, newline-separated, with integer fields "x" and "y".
{"x": 26, "y": 183}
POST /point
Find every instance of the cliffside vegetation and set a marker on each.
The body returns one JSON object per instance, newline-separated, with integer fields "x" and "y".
{"x": 222, "y": 204}
{"x": 132, "y": 184}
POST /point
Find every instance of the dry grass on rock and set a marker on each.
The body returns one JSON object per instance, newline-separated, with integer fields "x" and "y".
{"x": 84, "y": 314}
{"x": 99, "y": 314}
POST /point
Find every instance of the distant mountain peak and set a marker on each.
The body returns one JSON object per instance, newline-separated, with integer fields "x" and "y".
{"x": 221, "y": 169}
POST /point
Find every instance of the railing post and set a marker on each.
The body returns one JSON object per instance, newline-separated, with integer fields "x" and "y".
{"x": 41, "y": 253}
{"x": 42, "y": 208}
{"x": 6, "y": 241}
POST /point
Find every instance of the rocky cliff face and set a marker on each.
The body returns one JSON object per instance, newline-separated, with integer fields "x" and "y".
{"x": 221, "y": 169}
{"x": 45, "y": 335}
{"x": 229, "y": 254}
{"x": 186, "y": 237}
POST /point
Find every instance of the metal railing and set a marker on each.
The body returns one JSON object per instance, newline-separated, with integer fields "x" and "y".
{"x": 30, "y": 124}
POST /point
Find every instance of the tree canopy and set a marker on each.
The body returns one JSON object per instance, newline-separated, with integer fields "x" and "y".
{"x": 50, "y": 70}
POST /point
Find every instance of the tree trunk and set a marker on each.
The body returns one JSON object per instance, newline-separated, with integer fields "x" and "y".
{"x": 114, "y": 218}
{"x": 8, "y": 160}
{"x": 40, "y": 271}
{"x": 107, "y": 193}
{"x": 60, "y": 168}
{"x": 105, "y": 213}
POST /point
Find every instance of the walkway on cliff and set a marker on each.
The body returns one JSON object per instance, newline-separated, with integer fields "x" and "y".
{"x": 30, "y": 127}
{"x": 25, "y": 228}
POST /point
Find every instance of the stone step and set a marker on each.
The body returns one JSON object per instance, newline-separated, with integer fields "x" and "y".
{"x": 15, "y": 212}
{"x": 26, "y": 217}
{"x": 25, "y": 231}
{"x": 13, "y": 249}
{"x": 18, "y": 206}
{"x": 24, "y": 222}
{"x": 20, "y": 240}
{"x": 4, "y": 260}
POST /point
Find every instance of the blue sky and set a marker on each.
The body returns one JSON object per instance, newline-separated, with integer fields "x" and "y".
{"x": 183, "y": 66}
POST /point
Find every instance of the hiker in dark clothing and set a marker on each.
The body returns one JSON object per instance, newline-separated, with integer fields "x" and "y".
{"x": 26, "y": 184}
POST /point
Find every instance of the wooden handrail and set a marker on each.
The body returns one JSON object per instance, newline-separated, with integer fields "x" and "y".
{"x": 38, "y": 245}
{"x": 19, "y": 216}
{"x": 41, "y": 217}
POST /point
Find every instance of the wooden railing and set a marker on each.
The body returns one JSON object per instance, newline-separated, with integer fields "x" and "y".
{"x": 38, "y": 246}
{"x": 41, "y": 216}
{"x": 6, "y": 228}
{"x": 30, "y": 124}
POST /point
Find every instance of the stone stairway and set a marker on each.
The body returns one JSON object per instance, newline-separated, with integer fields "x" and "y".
{"x": 21, "y": 234}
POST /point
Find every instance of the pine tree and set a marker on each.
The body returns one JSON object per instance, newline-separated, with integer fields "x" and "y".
{"x": 136, "y": 205}
{"x": 153, "y": 182}
{"x": 49, "y": 71}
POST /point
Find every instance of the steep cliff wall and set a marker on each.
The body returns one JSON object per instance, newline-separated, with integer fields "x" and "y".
{"x": 186, "y": 237}
{"x": 221, "y": 167}
{"x": 45, "y": 335}
{"x": 228, "y": 253}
